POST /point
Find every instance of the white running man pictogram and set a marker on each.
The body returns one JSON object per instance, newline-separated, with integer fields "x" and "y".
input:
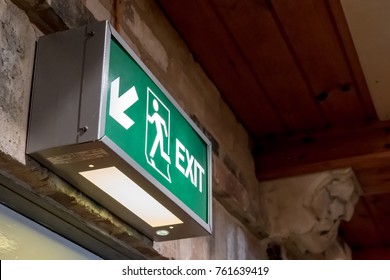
{"x": 160, "y": 133}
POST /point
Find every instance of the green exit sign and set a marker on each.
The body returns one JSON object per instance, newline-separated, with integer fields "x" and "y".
{"x": 144, "y": 122}
{"x": 111, "y": 129}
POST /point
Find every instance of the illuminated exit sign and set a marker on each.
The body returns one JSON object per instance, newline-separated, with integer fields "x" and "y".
{"x": 143, "y": 121}
{"x": 102, "y": 121}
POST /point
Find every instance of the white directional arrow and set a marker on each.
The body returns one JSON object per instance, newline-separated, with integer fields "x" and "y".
{"x": 119, "y": 104}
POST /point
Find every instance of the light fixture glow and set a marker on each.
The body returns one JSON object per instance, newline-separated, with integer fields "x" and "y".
{"x": 91, "y": 166}
{"x": 124, "y": 190}
{"x": 162, "y": 232}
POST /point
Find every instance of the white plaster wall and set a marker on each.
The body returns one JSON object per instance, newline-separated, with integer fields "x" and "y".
{"x": 369, "y": 23}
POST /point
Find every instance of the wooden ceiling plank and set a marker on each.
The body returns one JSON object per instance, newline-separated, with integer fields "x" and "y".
{"x": 341, "y": 107}
{"x": 349, "y": 50}
{"x": 321, "y": 56}
{"x": 357, "y": 147}
{"x": 252, "y": 26}
{"x": 219, "y": 57}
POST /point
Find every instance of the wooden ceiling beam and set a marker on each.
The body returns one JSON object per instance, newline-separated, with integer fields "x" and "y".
{"x": 364, "y": 148}
{"x": 379, "y": 253}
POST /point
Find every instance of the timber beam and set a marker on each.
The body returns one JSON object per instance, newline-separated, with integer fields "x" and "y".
{"x": 365, "y": 148}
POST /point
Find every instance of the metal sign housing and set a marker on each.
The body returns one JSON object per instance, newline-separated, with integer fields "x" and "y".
{"x": 98, "y": 114}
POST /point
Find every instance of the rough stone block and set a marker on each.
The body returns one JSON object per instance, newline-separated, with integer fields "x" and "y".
{"x": 227, "y": 187}
{"x": 337, "y": 209}
{"x": 73, "y": 12}
{"x": 169, "y": 249}
{"x": 102, "y": 9}
{"x": 242, "y": 246}
{"x": 342, "y": 188}
{"x": 17, "y": 45}
{"x": 306, "y": 210}
{"x": 139, "y": 30}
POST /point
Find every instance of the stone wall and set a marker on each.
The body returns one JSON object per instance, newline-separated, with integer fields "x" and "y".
{"x": 237, "y": 224}
{"x": 17, "y": 47}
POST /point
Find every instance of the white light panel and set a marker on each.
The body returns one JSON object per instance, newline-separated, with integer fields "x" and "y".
{"x": 121, "y": 188}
